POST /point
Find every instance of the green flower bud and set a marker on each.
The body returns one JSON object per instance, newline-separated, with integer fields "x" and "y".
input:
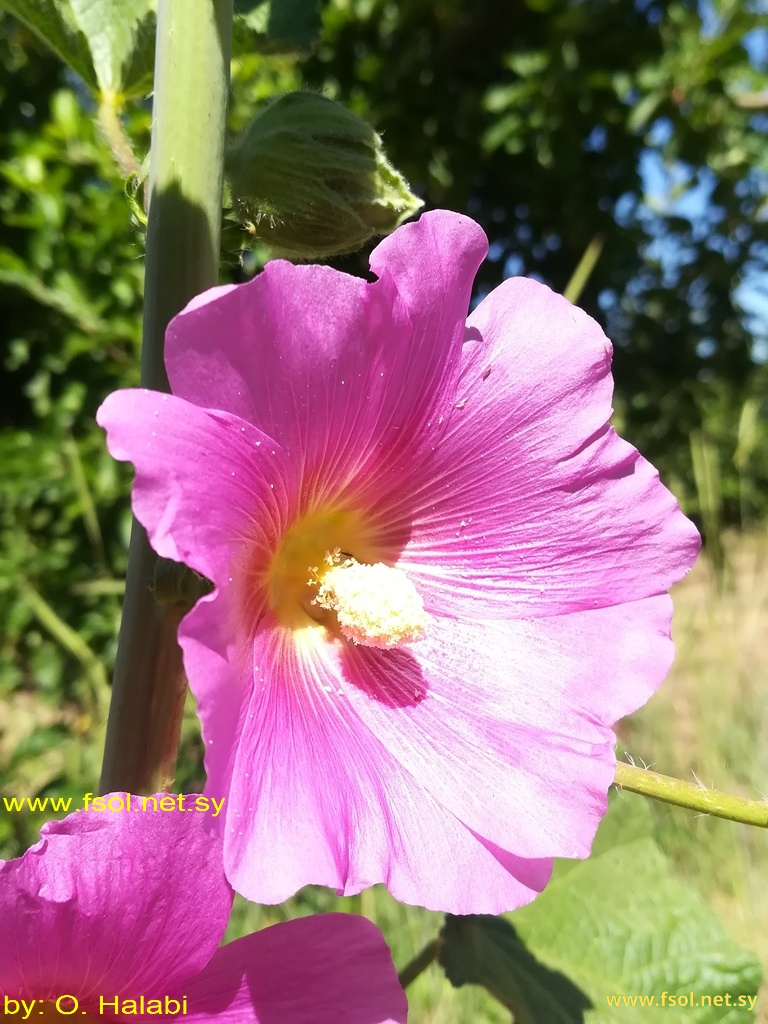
{"x": 310, "y": 179}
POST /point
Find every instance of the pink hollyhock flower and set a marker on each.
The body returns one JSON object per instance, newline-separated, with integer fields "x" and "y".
{"x": 112, "y": 908}
{"x": 440, "y": 575}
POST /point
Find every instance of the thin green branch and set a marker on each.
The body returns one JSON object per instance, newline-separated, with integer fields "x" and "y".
{"x": 583, "y": 271}
{"x": 420, "y": 963}
{"x": 84, "y": 496}
{"x": 691, "y": 796}
{"x": 192, "y": 61}
{"x": 108, "y": 119}
{"x": 73, "y": 644}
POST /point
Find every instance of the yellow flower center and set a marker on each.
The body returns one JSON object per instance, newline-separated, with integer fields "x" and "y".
{"x": 330, "y": 572}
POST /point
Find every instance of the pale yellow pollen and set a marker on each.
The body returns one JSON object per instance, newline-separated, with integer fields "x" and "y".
{"x": 375, "y": 605}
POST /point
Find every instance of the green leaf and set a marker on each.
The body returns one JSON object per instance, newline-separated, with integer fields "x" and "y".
{"x": 643, "y": 111}
{"x": 617, "y": 925}
{"x": 121, "y": 36}
{"x": 528, "y": 62}
{"x": 285, "y": 26}
{"x": 295, "y": 22}
{"x": 483, "y": 950}
{"x": 52, "y": 22}
{"x": 109, "y": 43}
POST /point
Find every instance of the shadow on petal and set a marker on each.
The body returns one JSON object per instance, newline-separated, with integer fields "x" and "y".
{"x": 392, "y": 677}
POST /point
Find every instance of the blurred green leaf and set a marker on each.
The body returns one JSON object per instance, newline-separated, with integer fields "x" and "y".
{"x": 749, "y": 433}
{"x": 283, "y": 26}
{"x": 52, "y": 22}
{"x": 294, "y": 22}
{"x": 709, "y": 489}
{"x": 246, "y": 6}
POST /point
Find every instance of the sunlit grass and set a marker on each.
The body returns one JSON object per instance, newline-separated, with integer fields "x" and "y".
{"x": 709, "y": 722}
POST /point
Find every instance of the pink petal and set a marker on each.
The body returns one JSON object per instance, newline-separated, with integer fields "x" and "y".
{"x": 345, "y": 375}
{"x": 327, "y": 969}
{"x": 118, "y": 903}
{"x": 219, "y": 665}
{"x": 507, "y": 724}
{"x": 380, "y": 762}
{"x": 433, "y": 262}
{"x": 314, "y": 797}
{"x": 531, "y": 504}
{"x": 209, "y": 488}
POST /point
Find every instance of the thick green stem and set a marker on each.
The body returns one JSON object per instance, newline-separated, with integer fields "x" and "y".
{"x": 687, "y": 794}
{"x": 192, "y": 59}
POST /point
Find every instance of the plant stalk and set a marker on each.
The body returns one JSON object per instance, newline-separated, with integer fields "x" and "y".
{"x": 108, "y": 119}
{"x": 584, "y": 268}
{"x": 691, "y": 796}
{"x": 420, "y": 963}
{"x": 192, "y": 63}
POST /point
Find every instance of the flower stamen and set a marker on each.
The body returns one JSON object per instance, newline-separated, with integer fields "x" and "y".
{"x": 375, "y": 605}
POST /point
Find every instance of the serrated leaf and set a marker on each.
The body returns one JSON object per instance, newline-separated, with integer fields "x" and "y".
{"x": 120, "y": 34}
{"x": 109, "y": 43}
{"x": 138, "y": 69}
{"x": 620, "y": 924}
{"x": 51, "y": 21}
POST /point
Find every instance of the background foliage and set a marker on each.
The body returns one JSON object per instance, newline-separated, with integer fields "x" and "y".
{"x": 636, "y": 127}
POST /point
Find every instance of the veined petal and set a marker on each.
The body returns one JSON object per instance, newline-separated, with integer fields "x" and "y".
{"x": 511, "y": 729}
{"x": 219, "y": 664}
{"x": 531, "y": 504}
{"x": 349, "y": 815}
{"x": 347, "y": 376}
{"x": 209, "y": 486}
{"x": 432, "y": 263}
{"x": 120, "y": 903}
{"x": 325, "y": 969}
